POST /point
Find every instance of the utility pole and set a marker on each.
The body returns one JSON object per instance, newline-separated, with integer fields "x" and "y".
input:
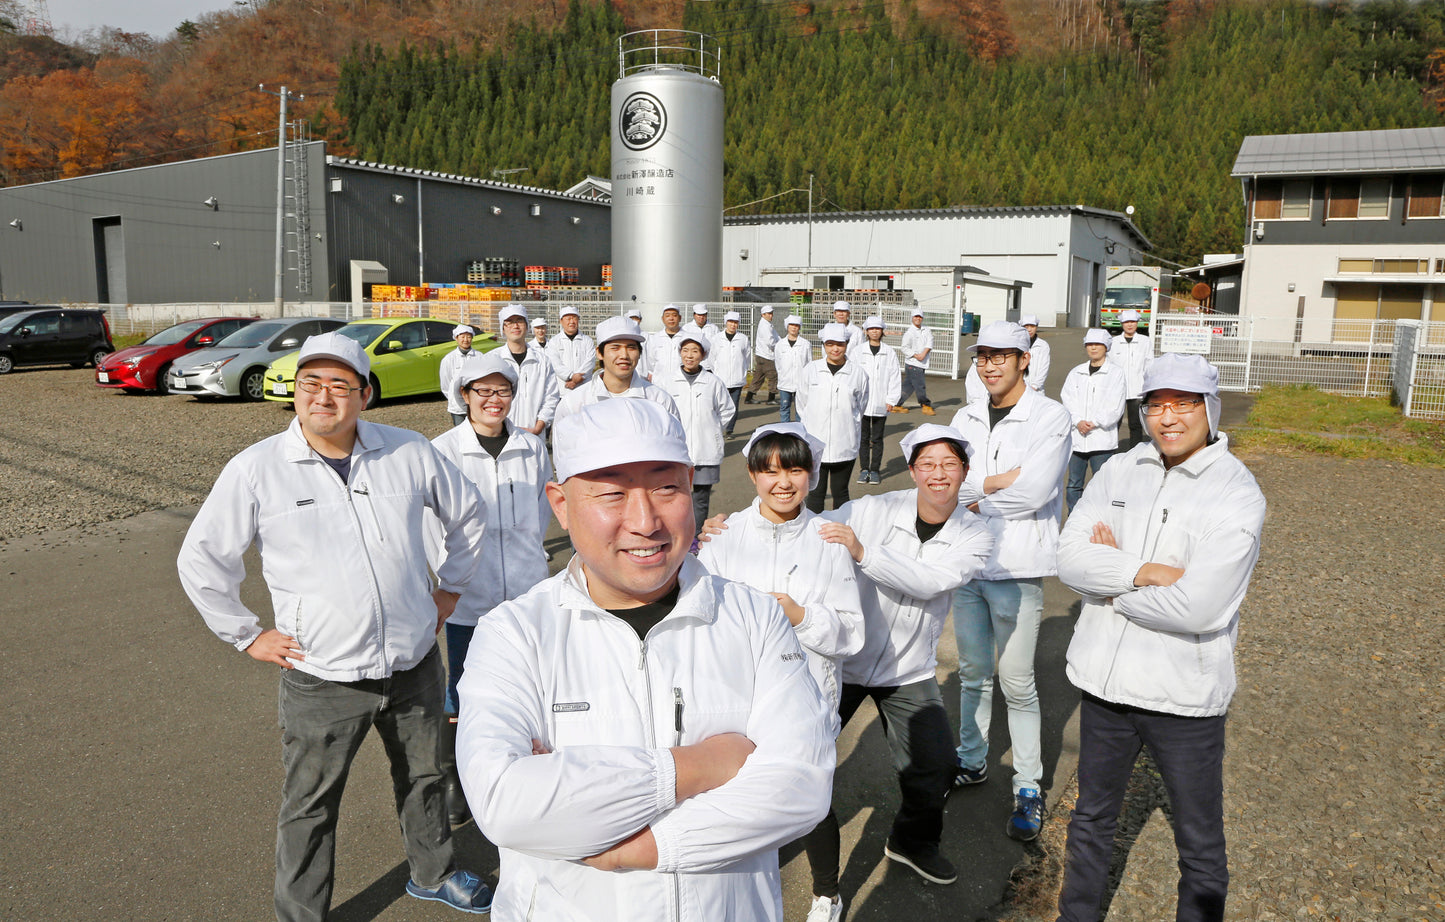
{"x": 810, "y": 228}
{"x": 281, "y": 196}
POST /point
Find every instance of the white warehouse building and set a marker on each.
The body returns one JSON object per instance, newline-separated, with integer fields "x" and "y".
{"x": 1052, "y": 257}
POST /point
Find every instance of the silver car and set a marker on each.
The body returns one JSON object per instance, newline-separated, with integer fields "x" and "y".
{"x": 236, "y": 366}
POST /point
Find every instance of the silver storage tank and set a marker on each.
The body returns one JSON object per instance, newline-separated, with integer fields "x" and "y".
{"x": 667, "y": 171}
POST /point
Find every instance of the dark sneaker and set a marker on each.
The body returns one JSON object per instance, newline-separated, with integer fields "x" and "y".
{"x": 875, "y": 477}
{"x": 924, "y": 860}
{"x": 863, "y": 477}
{"x": 1028, "y": 815}
{"x": 969, "y": 776}
{"x": 463, "y": 890}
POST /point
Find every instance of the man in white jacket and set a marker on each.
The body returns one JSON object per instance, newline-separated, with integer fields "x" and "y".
{"x": 885, "y": 382}
{"x": 619, "y": 346}
{"x": 1040, "y": 355}
{"x": 1018, "y": 448}
{"x": 535, "y": 401}
{"x": 1133, "y": 352}
{"x": 660, "y": 348}
{"x": 765, "y": 372}
{"x": 571, "y": 352}
{"x": 729, "y": 358}
{"x": 447, "y": 371}
{"x": 336, "y": 506}
{"x": 832, "y": 394}
{"x": 791, "y": 355}
{"x": 917, "y": 344}
{"x": 638, "y": 736}
{"x": 1161, "y": 546}
{"x": 1093, "y": 393}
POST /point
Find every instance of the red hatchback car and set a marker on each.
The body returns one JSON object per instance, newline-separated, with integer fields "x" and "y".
{"x": 143, "y": 367}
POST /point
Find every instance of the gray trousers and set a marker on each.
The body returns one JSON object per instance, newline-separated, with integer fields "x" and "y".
{"x": 323, "y": 724}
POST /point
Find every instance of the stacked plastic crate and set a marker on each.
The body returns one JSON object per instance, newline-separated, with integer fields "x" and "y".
{"x": 607, "y": 275}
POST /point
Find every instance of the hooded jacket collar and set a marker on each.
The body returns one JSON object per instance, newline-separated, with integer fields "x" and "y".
{"x": 1021, "y": 410}
{"x": 787, "y": 529}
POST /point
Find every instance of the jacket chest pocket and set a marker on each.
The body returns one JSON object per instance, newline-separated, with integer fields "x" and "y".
{"x": 1005, "y": 456}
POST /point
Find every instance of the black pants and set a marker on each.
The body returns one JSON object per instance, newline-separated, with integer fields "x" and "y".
{"x": 1136, "y": 428}
{"x": 921, "y": 742}
{"x": 871, "y": 455}
{"x": 1190, "y": 754}
{"x": 837, "y": 474}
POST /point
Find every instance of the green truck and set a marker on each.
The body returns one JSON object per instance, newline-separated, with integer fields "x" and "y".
{"x": 1132, "y": 288}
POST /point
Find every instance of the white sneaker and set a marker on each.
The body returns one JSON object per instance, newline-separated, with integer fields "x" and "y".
{"x": 826, "y": 909}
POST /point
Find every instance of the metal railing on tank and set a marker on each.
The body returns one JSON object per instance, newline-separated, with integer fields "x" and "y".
{"x": 669, "y": 49}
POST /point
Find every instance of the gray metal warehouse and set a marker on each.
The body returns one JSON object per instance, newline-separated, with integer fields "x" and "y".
{"x": 205, "y": 230}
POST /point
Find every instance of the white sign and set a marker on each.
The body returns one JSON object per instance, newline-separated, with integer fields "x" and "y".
{"x": 1181, "y": 338}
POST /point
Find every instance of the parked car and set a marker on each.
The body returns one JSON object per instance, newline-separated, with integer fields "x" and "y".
{"x": 406, "y": 356}
{"x": 236, "y": 366}
{"x": 144, "y": 367}
{"x": 54, "y": 336}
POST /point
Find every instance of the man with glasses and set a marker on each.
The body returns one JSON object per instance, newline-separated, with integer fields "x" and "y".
{"x": 1019, "y": 447}
{"x": 335, "y": 506}
{"x": 1161, "y": 547}
{"x": 537, "y": 393}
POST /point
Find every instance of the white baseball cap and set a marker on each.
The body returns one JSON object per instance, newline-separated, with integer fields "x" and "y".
{"x": 1127, "y": 316}
{"x": 833, "y": 333}
{"x": 916, "y": 313}
{"x": 635, "y": 314}
{"x": 618, "y": 431}
{"x": 1096, "y": 335}
{"x": 461, "y": 328}
{"x": 842, "y": 306}
{"x": 512, "y": 312}
{"x": 797, "y": 431}
{"x": 792, "y": 320}
{"x": 931, "y": 432}
{"x": 615, "y": 328}
{"x": 1192, "y": 374}
{"x": 873, "y": 323}
{"x": 333, "y": 345}
{"x": 732, "y": 315}
{"x": 699, "y": 308}
{"x": 1029, "y": 320}
{"x": 765, "y": 309}
{"x": 539, "y": 323}
{"x": 670, "y": 307}
{"x": 480, "y": 364}
{"x": 1002, "y": 334}
{"x": 694, "y": 336}
{"x": 568, "y": 311}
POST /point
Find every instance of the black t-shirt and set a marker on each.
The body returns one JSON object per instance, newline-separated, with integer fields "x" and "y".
{"x": 1093, "y": 369}
{"x": 995, "y": 414}
{"x": 493, "y": 444}
{"x": 875, "y": 348}
{"x": 834, "y": 368}
{"x": 730, "y": 335}
{"x": 644, "y": 617}
{"x": 518, "y": 357}
{"x": 926, "y": 530}
{"x": 342, "y": 466}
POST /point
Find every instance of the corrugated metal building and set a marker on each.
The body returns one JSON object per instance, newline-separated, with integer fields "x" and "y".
{"x": 205, "y": 230}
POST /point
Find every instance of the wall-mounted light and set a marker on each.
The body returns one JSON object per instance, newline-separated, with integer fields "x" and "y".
{"x": 576, "y": 220}
{"x": 216, "y": 244}
{"x": 1291, "y": 286}
{"x": 338, "y": 184}
{"x": 17, "y": 225}
{"x": 212, "y": 203}
{"x": 743, "y": 253}
{"x": 496, "y": 209}
{"x": 398, "y": 198}
{"x": 536, "y": 211}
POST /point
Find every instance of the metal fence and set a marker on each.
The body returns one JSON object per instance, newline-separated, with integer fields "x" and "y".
{"x": 1359, "y": 358}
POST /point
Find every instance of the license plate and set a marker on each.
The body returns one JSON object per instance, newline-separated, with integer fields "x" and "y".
{"x": 279, "y": 388}
{"x": 179, "y": 384}
{"x": 102, "y": 377}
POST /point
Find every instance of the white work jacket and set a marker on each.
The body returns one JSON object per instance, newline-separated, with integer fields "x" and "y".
{"x": 514, "y": 511}
{"x": 554, "y": 667}
{"x": 789, "y": 360}
{"x": 571, "y": 356}
{"x": 1040, "y": 357}
{"x": 345, "y": 562}
{"x": 915, "y": 340}
{"x": 974, "y": 390}
{"x": 1024, "y": 517}
{"x": 1097, "y": 398}
{"x": 831, "y": 407}
{"x": 885, "y": 377}
{"x": 705, "y": 408}
{"x": 447, "y": 378}
{"x": 905, "y": 585}
{"x": 593, "y": 390}
{"x": 1163, "y": 648}
{"x": 1134, "y": 356}
{"x": 764, "y": 340}
{"x": 731, "y": 358}
{"x": 660, "y": 351}
{"x": 791, "y": 557}
{"x": 536, "y": 393}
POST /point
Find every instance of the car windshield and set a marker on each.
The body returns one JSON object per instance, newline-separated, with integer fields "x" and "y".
{"x": 363, "y": 333}
{"x": 172, "y": 335}
{"x": 254, "y": 334}
{"x": 9, "y": 323}
{"x": 1131, "y": 296}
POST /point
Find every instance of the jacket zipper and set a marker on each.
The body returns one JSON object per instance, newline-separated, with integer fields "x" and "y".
{"x": 361, "y": 489}
{"x": 370, "y": 567}
{"x": 652, "y": 742}
{"x": 873, "y": 672}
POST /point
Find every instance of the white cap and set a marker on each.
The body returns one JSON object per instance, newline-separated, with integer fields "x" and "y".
{"x": 539, "y": 322}
{"x": 873, "y": 323}
{"x": 622, "y": 430}
{"x": 461, "y": 328}
{"x": 511, "y": 312}
{"x": 615, "y": 328}
{"x": 796, "y": 430}
{"x": 833, "y": 333}
{"x": 1127, "y": 316}
{"x": 568, "y": 310}
{"x": 1002, "y": 334}
{"x": 842, "y": 306}
{"x": 732, "y": 315}
{"x": 635, "y": 314}
{"x": 792, "y": 320}
{"x": 1029, "y": 320}
{"x": 699, "y": 308}
{"x": 1096, "y": 335}
{"x": 1192, "y": 374}
{"x": 931, "y": 432}
{"x": 480, "y": 364}
{"x": 670, "y": 307}
{"x": 694, "y": 336}
{"x": 765, "y": 309}
{"x": 917, "y": 312}
{"x": 333, "y": 345}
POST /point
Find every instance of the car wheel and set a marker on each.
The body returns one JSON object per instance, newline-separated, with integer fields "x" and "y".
{"x": 7, "y": 364}
{"x": 161, "y": 374}
{"x": 98, "y": 356}
{"x": 375, "y": 397}
{"x": 253, "y": 384}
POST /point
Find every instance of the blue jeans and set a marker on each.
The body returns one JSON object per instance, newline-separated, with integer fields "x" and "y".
{"x": 785, "y": 408}
{"x": 459, "y": 638}
{"x": 1189, "y": 752}
{"x": 323, "y": 724}
{"x": 914, "y": 383}
{"x": 736, "y": 393}
{"x": 1079, "y": 462}
{"x": 996, "y": 621}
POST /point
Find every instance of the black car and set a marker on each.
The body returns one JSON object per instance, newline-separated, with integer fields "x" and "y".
{"x": 54, "y": 336}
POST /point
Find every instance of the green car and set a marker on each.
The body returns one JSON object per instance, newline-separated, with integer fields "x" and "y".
{"x": 406, "y": 356}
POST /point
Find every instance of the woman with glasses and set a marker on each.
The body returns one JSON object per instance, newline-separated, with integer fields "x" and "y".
{"x": 510, "y": 468}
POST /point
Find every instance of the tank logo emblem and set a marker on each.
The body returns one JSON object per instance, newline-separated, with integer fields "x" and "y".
{"x": 643, "y": 121}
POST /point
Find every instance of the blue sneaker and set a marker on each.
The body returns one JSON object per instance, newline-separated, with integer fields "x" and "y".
{"x": 463, "y": 890}
{"x": 1028, "y": 816}
{"x": 969, "y": 776}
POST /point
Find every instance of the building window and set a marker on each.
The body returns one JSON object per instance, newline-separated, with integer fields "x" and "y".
{"x": 1389, "y": 266}
{"x": 1295, "y": 199}
{"x": 1425, "y": 199}
{"x": 1357, "y": 198}
{"x": 1375, "y": 197}
{"x": 1355, "y": 304}
{"x": 876, "y": 282}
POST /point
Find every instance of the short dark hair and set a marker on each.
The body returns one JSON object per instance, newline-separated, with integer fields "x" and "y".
{"x": 791, "y": 451}
{"x": 953, "y": 446}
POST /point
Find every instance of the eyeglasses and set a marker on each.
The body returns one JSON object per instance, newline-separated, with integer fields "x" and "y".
{"x": 487, "y": 393}
{"x": 993, "y": 358}
{"x": 929, "y": 467}
{"x": 1179, "y": 407}
{"x": 335, "y": 388}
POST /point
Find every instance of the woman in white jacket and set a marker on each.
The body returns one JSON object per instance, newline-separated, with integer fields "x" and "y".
{"x": 1093, "y": 393}
{"x": 510, "y": 468}
{"x": 774, "y": 545}
{"x": 791, "y": 354}
{"x": 706, "y": 409}
{"x": 831, "y": 397}
{"x": 885, "y": 384}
